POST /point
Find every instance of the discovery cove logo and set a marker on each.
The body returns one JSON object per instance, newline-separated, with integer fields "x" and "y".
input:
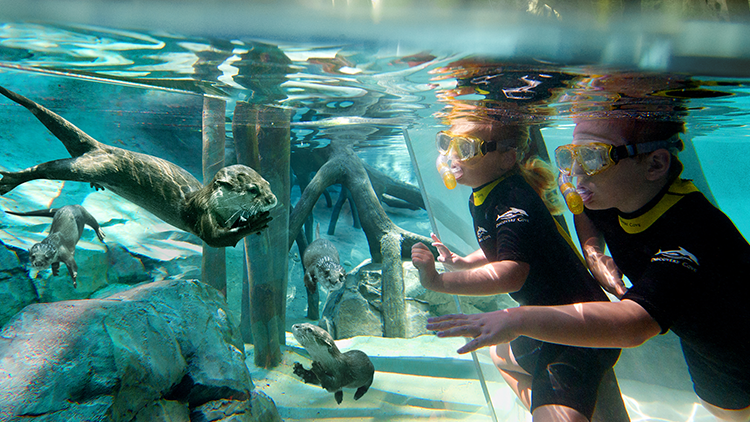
{"x": 513, "y": 215}
{"x": 482, "y": 234}
{"x": 679, "y": 257}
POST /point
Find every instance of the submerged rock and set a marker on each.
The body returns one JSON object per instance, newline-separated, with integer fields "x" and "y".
{"x": 355, "y": 309}
{"x": 16, "y": 291}
{"x": 154, "y": 353}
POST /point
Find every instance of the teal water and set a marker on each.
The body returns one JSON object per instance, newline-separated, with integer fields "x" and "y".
{"x": 371, "y": 77}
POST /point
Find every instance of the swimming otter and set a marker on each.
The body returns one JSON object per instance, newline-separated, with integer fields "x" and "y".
{"x": 64, "y": 233}
{"x": 321, "y": 262}
{"x": 332, "y": 369}
{"x": 234, "y": 204}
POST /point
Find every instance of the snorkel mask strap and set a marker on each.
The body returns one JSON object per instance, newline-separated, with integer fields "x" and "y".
{"x": 488, "y": 147}
{"x": 631, "y": 150}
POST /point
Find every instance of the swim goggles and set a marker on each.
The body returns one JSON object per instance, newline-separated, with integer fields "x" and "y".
{"x": 464, "y": 146}
{"x": 595, "y": 157}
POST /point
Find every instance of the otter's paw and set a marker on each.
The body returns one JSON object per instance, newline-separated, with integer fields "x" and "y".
{"x": 307, "y": 375}
{"x": 96, "y": 186}
{"x": 361, "y": 392}
{"x": 258, "y": 223}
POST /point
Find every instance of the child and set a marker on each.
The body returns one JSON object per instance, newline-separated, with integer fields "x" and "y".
{"x": 523, "y": 252}
{"x": 686, "y": 260}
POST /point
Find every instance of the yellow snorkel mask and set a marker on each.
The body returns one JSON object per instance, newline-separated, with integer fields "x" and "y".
{"x": 458, "y": 147}
{"x": 465, "y": 147}
{"x": 595, "y": 157}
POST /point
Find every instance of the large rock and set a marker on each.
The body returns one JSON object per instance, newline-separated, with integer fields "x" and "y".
{"x": 151, "y": 353}
{"x": 16, "y": 291}
{"x": 100, "y": 269}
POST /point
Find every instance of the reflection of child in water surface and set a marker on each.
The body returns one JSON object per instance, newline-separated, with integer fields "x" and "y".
{"x": 686, "y": 260}
{"x": 525, "y": 253}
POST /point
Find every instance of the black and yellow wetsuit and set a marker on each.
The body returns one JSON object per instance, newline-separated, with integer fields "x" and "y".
{"x": 512, "y": 223}
{"x": 690, "y": 270}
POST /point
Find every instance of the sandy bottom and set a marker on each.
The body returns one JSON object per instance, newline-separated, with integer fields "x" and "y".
{"x": 440, "y": 387}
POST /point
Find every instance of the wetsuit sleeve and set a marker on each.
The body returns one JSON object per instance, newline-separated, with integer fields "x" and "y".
{"x": 666, "y": 286}
{"x": 513, "y": 235}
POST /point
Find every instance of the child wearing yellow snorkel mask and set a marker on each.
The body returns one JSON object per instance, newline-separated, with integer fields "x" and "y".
{"x": 523, "y": 252}
{"x": 686, "y": 260}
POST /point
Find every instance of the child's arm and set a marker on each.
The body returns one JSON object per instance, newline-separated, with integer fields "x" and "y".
{"x": 455, "y": 262}
{"x": 602, "y": 266}
{"x": 490, "y": 278}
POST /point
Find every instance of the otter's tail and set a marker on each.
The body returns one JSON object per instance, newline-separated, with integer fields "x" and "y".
{"x": 50, "y": 212}
{"x": 76, "y": 141}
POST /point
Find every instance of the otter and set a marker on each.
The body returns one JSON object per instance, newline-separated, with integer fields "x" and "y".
{"x": 321, "y": 262}
{"x": 332, "y": 369}
{"x": 235, "y": 204}
{"x": 64, "y": 233}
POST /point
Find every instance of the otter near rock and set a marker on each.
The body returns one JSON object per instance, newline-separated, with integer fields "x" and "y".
{"x": 234, "y": 204}
{"x": 332, "y": 369}
{"x": 64, "y": 233}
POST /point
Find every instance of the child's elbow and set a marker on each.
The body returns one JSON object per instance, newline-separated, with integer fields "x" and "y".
{"x": 634, "y": 340}
{"x": 640, "y": 331}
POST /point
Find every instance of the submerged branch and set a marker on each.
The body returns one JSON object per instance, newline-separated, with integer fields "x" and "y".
{"x": 344, "y": 167}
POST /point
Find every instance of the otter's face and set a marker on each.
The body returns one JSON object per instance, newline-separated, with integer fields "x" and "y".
{"x": 318, "y": 343}
{"x": 328, "y": 274}
{"x": 41, "y": 256}
{"x": 239, "y": 193}
{"x": 309, "y": 335}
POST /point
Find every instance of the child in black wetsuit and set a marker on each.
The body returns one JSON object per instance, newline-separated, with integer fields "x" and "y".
{"x": 686, "y": 260}
{"x": 524, "y": 252}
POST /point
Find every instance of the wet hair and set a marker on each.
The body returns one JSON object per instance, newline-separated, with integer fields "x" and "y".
{"x": 642, "y": 130}
{"x": 537, "y": 172}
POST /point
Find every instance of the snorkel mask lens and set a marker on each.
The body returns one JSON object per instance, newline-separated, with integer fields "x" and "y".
{"x": 564, "y": 159}
{"x": 593, "y": 157}
{"x": 443, "y": 142}
{"x": 465, "y": 147}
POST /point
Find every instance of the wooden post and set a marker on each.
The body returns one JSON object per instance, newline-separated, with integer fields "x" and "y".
{"x": 394, "y": 305}
{"x": 263, "y": 132}
{"x": 246, "y": 148}
{"x": 213, "y": 269}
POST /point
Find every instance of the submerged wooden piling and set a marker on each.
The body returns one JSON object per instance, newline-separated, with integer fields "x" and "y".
{"x": 213, "y": 268}
{"x": 394, "y": 303}
{"x": 262, "y": 141}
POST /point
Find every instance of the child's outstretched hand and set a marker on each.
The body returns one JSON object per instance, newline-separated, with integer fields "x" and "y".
{"x": 424, "y": 261}
{"x": 446, "y": 256}
{"x": 484, "y": 329}
{"x": 422, "y": 257}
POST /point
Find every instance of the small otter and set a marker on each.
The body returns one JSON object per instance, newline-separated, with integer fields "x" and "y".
{"x": 234, "y": 204}
{"x": 321, "y": 261}
{"x": 64, "y": 233}
{"x": 332, "y": 369}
